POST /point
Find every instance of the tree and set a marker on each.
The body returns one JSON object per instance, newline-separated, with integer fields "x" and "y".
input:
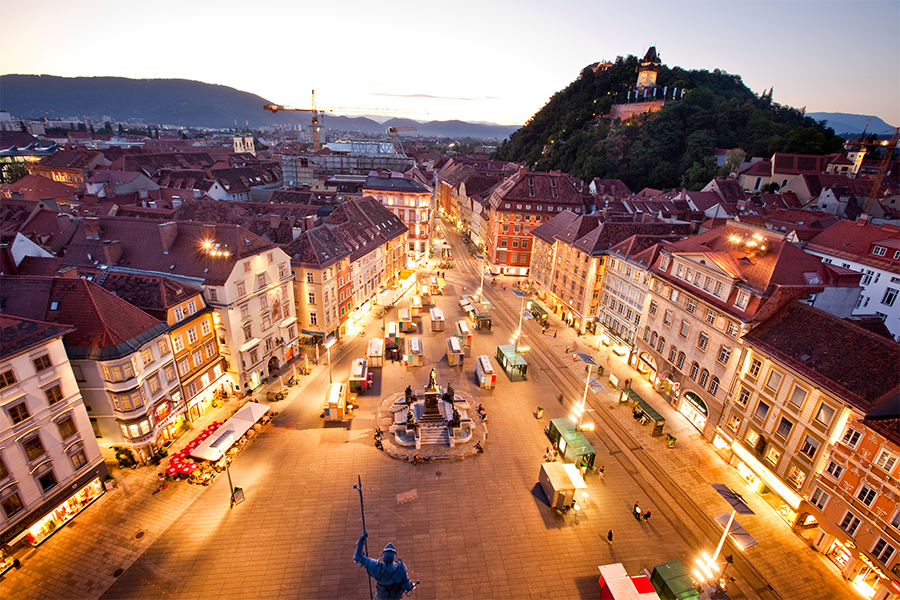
{"x": 14, "y": 172}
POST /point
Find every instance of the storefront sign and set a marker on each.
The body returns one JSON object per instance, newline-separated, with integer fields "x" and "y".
{"x": 697, "y": 403}
{"x": 767, "y": 476}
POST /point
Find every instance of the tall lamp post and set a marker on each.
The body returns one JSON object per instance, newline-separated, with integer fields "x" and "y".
{"x": 329, "y": 342}
{"x": 579, "y": 410}
{"x": 481, "y": 257}
{"x": 708, "y": 569}
{"x": 522, "y": 313}
{"x": 226, "y": 440}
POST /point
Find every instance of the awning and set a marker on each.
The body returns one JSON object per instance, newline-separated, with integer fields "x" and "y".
{"x": 215, "y": 446}
{"x": 288, "y": 322}
{"x": 739, "y": 535}
{"x": 250, "y": 344}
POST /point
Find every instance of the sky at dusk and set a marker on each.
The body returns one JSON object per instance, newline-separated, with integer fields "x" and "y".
{"x": 473, "y": 60}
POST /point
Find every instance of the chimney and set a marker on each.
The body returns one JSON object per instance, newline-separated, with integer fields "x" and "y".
{"x": 167, "y": 234}
{"x": 92, "y": 228}
{"x": 522, "y": 171}
{"x": 209, "y": 231}
{"x": 112, "y": 251}
{"x": 7, "y": 262}
{"x": 68, "y": 273}
{"x": 274, "y": 221}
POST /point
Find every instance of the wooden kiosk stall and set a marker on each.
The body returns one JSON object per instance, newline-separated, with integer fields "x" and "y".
{"x": 406, "y": 322}
{"x": 375, "y": 353}
{"x": 487, "y": 378}
{"x": 454, "y": 352}
{"x": 464, "y": 335}
{"x": 414, "y": 354}
{"x": 437, "y": 319}
{"x": 336, "y": 402}
{"x": 415, "y": 307}
{"x": 392, "y": 333}
{"x": 360, "y": 377}
{"x": 481, "y": 317}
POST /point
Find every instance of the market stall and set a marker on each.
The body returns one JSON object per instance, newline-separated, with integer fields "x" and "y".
{"x": 487, "y": 378}
{"x": 437, "y": 319}
{"x": 414, "y": 354}
{"x": 573, "y": 446}
{"x": 360, "y": 377}
{"x": 336, "y": 402}
{"x": 375, "y": 353}
{"x": 481, "y": 316}
{"x": 454, "y": 352}
{"x": 415, "y": 307}
{"x": 405, "y": 322}
{"x": 464, "y": 335}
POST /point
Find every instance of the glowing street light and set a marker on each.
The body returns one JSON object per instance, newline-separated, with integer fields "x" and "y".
{"x": 579, "y": 410}
{"x": 522, "y": 313}
{"x": 329, "y": 342}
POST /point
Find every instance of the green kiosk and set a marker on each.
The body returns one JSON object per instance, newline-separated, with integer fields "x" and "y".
{"x": 573, "y": 446}
{"x": 512, "y": 362}
{"x": 643, "y": 412}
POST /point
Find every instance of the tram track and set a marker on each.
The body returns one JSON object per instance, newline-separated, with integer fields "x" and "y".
{"x": 697, "y": 530}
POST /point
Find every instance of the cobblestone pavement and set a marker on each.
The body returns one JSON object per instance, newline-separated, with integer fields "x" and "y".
{"x": 474, "y": 528}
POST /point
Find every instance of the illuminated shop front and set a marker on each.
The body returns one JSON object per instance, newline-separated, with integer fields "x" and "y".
{"x": 694, "y": 408}
{"x": 169, "y": 417}
{"x": 202, "y": 388}
{"x": 646, "y": 366}
{"x": 775, "y": 492}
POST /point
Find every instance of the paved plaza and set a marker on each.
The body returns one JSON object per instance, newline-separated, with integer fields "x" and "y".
{"x": 476, "y": 527}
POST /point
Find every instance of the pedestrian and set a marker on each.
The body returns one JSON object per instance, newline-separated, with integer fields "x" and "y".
{"x": 554, "y": 333}
{"x": 647, "y": 515}
{"x": 637, "y": 512}
{"x": 609, "y": 537}
{"x": 628, "y": 384}
{"x": 567, "y": 349}
{"x": 600, "y": 472}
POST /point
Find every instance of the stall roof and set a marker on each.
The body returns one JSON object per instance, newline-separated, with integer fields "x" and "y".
{"x": 644, "y": 405}
{"x": 575, "y": 439}
{"x": 739, "y": 535}
{"x": 376, "y": 347}
{"x": 213, "y": 447}
{"x": 512, "y": 357}
{"x": 359, "y": 368}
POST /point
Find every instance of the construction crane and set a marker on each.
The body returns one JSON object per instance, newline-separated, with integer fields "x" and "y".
{"x": 398, "y": 148}
{"x": 317, "y": 111}
{"x": 875, "y": 192}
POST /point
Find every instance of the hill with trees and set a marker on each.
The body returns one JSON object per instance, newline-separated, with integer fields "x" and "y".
{"x": 673, "y": 147}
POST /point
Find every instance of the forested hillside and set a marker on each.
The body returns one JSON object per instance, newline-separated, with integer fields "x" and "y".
{"x": 673, "y": 147}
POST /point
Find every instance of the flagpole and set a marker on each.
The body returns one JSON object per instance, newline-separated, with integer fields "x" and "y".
{"x": 362, "y": 510}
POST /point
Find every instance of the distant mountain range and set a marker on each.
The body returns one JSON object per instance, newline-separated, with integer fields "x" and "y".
{"x": 182, "y": 102}
{"x": 845, "y": 124}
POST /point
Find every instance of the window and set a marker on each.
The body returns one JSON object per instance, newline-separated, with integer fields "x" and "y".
{"x": 732, "y": 329}
{"x": 313, "y": 319}
{"x": 691, "y": 305}
{"x": 192, "y": 335}
{"x": 774, "y": 381}
{"x": 191, "y": 307}
{"x": 248, "y": 332}
{"x": 662, "y": 345}
{"x": 653, "y": 339}
{"x": 703, "y": 341}
{"x": 796, "y": 477}
{"x": 41, "y": 363}
{"x": 879, "y": 250}
{"x": 146, "y": 356}
{"x": 851, "y": 438}
{"x": 685, "y": 329}
{"x": 11, "y": 504}
{"x": 798, "y": 396}
{"x": 246, "y": 266}
{"x": 213, "y": 295}
{"x": 784, "y": 428}
{"x": 711, "y": 317}
{"x": 883, "y": 551}
{"x": 309, "y": 277}
{"x": 850, "y": 523}
{"x": 743, "y": 298}
{"x": 889, "y": 296}
{"x": 886, "y": 461}
{"x": 773, "y": 455}
{"x": 153, "y": 380}
{"x": 54, "y": 394}
{"x": 18, "y": 413}
{"x": 724, "y": 355}
{"x": 179, "y": 313}
{"x": 667, "y": 318}
{"x": 7, "y": 378}
{"x": 733, "y": 423}
{"x": 204, "y": 327}
{"x": 163, "y": 347}
{"x": 4, "y": 472}
{"x": 819, "y": 498}
{"x": 33, "y": 447}
{"x": 169, "y": 370}
{"x": 241, "y": 289}
{"x": 825, "y": 414}
{"x": 680, "y": 364}
{"x": 695, "y": 368}
{"x": 178, "y": 343}
{"x": 653, "y": 308}
{"x": 66, "y": 428}
{"x": 245, "y": 311}
{"x": 210, "y": 349}
{"x": 197, "y": 357}
{"x": 673, "y": 352}
{"x": 184, "y": 367}
{"x": 835, "y": 470}
{"x": 866, "y": 494}
{"x": 752, "y": 438}
{"x": 762, "y": 411}
{"x": 714, "y": 386}
{"x": 261, "y": 280}
{"x": 743, "y": 396}
{"x": 755, "y": 366}
{"x": 312, "y": 298}
{"x": 809, "y": 447}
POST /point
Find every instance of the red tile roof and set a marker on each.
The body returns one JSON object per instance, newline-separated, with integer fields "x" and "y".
{"x": 853, "y": 241}
{"x": 35, "y": 187}
{"x": 18, "y": 334}
{"x": 858, "y": 366}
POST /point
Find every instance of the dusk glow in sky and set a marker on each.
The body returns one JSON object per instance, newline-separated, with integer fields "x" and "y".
{"x": 489, "y": 60}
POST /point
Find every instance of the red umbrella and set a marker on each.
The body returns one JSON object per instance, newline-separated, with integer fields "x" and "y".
{"x": 187, "y": 467}
{"x": 172, "y": 469}
{"x": 175, "y": 458}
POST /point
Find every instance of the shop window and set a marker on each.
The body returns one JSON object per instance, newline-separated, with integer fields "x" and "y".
{"x": 41, "y": 363}
{"x": 796, "y": 477}
{"x": 66, "y": 428}
{"x": 784, "y": 428}
{"x": 11, "y": 502}
{"x": 762, "y": 411}
{"x": 834, "y": 469}
{"x": 33, "y": 447}
{"x": 850, "y": 523}
{"x": 773, "y": 455}
{"x": 819, "y": 498}
{"x": 809, "y": 447}
{"x": 734, "y": 422}
{"x": 7, "y": 378}
{"x": 886, "y": 461}
{"x": 883, "y": 551}
{"x": 714, "y": 386}
{"x": 18, "y": 412}
{"x": 851, "y": 438}
{"x": 752, "y": 438}
{"x": 866, "y": 494}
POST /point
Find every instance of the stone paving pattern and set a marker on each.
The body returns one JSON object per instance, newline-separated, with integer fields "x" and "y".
{"x": 473, "y": 528}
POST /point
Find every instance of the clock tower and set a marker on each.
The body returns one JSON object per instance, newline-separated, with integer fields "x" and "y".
{"x": 648, "y": 69}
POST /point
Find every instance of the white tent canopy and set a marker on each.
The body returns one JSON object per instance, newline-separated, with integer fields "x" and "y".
{"x": 215, "y": 446}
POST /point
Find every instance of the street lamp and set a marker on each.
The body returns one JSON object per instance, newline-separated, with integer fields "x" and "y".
{"x": 226, "y": 440}
{"x": 522, "y": 312}
{"x": 481, "y": 257}
{"x": 329, "y": 342}
{"x": 707, "y": 570}
{"x": 579, "y": 410}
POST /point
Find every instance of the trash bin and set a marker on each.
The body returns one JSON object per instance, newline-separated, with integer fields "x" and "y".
{"x": 540, "y": 413}
{"x": 670, "y": 440}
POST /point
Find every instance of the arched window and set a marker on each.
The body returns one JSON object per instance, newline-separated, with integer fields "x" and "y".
{"x": 653, "y": 339}
{"x": 714, "y": 386}
{"x": 673, "y": 351}
{"x": 662, "y": 344}
{"x": 704, "y": 378}
{"x": 646, "y": 333}
{"x": 680, "y": 363}
{"x": 695, "y": 368}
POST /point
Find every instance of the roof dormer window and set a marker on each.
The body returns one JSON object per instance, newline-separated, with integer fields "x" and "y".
{"x": 879, "y": 250}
